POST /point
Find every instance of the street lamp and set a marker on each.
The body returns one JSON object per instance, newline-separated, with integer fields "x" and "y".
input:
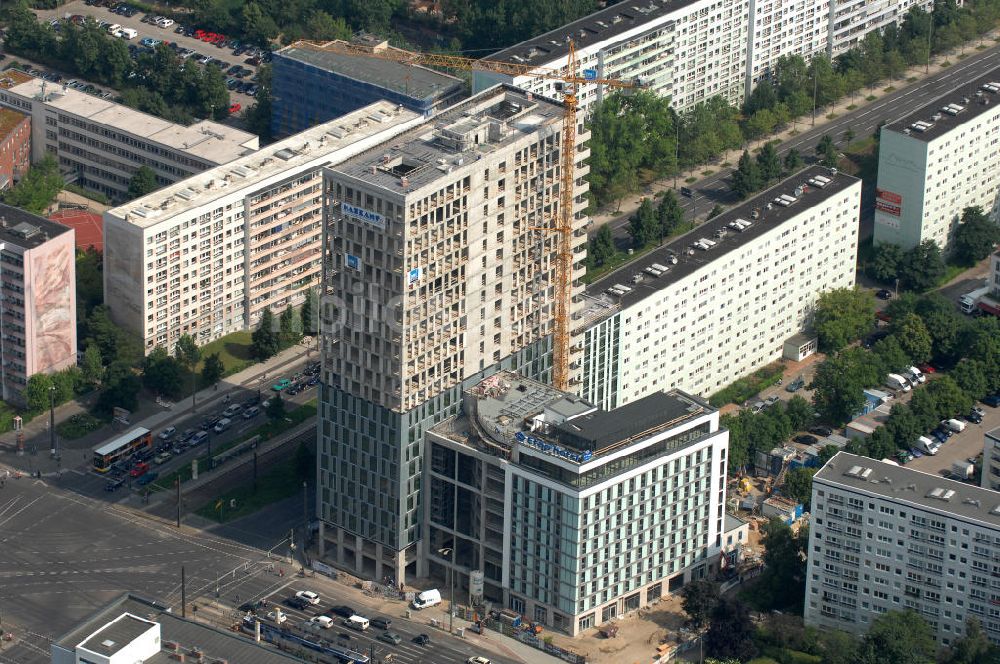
{"x": 52, "y": 421}
{"x": 444, "y": 553}
{"x": 305, "y": 518}
{"x": 260, "y": 381}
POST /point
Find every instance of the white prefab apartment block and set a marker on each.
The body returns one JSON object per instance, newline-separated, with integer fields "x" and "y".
{"x": 567, "y": 514}
{"x": 991, "y": 459}
{"x": 938, "y": 161}
{"x": 436, "y": 274}
{"x": 206, "y": 256}
{"x": 105, "y": 143}
{"x": 721, "y": 301}
{"x": 691, "y": 50}
{"x": 887, "y": 538}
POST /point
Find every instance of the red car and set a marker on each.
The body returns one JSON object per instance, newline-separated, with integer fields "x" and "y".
{"x": 139, "y": 470}
{"x": 199, "y": 33}
{"x": 926, "y": 368}
{"x": 235, "y": 108}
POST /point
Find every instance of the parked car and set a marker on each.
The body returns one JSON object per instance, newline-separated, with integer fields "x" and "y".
{"x": 251, "y": 412}
{"x": 992, "y": 400}
{"x": 916, "y": 453}
{"x": 296, "y": 602}
{"x": 768, "y": 402}
{"x": 975, "y": 416}
{"x": 162, "y": 458}
{"x": 883, "y": 294}
{"x": 381, "y": 623}
{"x": 281, "y": 385}
{"x": 795, "y": 385}
{"x": 276, "y": 617}
{"x": 308, "y": 596}
{"x": 139, "y": 470}
{"x": 806, "y": 439}
{"x": 421, "y": 639}
{"x": 235, "y": 108}
{"x": 341, "y": 610}
{"x": 167, "y": 433}
{"x": 390, "y": 637}
{"x": 233, "y": 409}
{"x": 822, "y": 431}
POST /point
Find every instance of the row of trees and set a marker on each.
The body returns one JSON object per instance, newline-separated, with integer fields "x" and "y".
{"x": 649, "y": 224}
{"x": 158, "y": 82}
{"x": 755, "y": 174}
{"x": 273, "y": 336}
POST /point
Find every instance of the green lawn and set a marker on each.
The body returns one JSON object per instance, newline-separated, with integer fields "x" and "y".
{"x": 281, "y": 481}
{"x": 78, "y": 426}
{"x": 233, "y": 350}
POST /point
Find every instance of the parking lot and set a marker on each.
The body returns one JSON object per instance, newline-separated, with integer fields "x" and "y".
{"x": 201, "y": 50}
{"x": 960, "y": 447}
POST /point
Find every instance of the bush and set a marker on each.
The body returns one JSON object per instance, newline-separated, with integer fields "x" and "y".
{"x": 78, "y": 426}
{"x": 748, "y": 386}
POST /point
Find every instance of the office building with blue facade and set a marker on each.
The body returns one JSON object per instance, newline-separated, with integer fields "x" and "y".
{"x": 311, "y": 86}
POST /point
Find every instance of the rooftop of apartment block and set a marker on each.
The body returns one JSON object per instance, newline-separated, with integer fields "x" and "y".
{"x": 130, "y": 616}
{"x": 461, "y": 134}
{"x": 994, "y": 433}
{"x": 26, "y": 230}
{"x": 600, "y": 26}
{"x": 907, "y": 486}
{"x": 507, "y": 409}
{"x": 952, "y": 110}
{"x": 411, "y": 80}
{"x": 9, "y": 120}
{"x": 285, "y": 155}
{"x": 711, "y": 241}
{"x": 211, "y": 141}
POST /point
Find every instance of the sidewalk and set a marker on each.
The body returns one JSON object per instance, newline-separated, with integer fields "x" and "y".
{"x": 629, "y": 204}
{"x": 150, "y": 415}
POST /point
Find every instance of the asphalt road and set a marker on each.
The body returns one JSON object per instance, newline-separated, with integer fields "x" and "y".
{"x": 863, "y": 122}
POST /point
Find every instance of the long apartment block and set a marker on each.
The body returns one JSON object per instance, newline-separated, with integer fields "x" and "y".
{"x": 439, "y": 271}
{"x": 887, "y": 538}
{"x": 104, "y": 143}
{"x": 207, "y": 255}
{"x": 569, "y": 515}
{"x": 937, "y": 161}
{"x": 691, "y": 50}
{"x": 720, "y": 302}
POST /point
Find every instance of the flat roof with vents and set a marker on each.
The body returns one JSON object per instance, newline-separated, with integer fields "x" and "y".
{"x": 26, "y": 230}
{"x": 907, "y": 486}
{"x": 319, "y": 144}
{"x": 602, "y": 26}
{"x": 743, "y": 223}
{"x": 952, "y": 110}
{"x": 116, "y": 635}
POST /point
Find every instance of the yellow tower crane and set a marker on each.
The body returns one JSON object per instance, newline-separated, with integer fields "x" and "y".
{"x": 563, "y": 224}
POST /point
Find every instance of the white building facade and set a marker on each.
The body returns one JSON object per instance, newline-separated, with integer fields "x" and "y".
{"x": 572, "y": 516}
{"x": 886, "y": 538}
{"x": 207, "y": 255}
{"x": 938, "y": 161}
{"x": 691, "y": 50}
{"x": 720, "y": 302}
{"x": 104, "y": 143}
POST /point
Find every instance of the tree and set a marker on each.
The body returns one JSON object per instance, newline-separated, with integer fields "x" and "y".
{"x": 782, "y": 584}
{"x": 898, "y": 637}
{"x": 188, "y": 354}
{"x": 264, "y": 341}
{"x": 258, "y": 116}
{"x": 731, "y": 632}
{"x": 700, "y": 599}
{"x": 322, "y": 26}
{"x": 839, "y": 382}
{"x": 842, "y": 315}
{"x": 827, "y": 151}
{"x": 798, "y": 485}
{"x": 309, "y": 313}
{"x": 975, "y": 237}
{"x": 602, "y": 246}
{"x": 890, "y": 354}
{"x": 715, "y": 211}
{"x": 799, "y": 413}
{"x": 212, "y": 369}
{"x": 913, "y": 337}
{"x": 276, "y": 407}
{"x": 36, "y": 392}
{"x": 826, "y": 453}
{"x": 643, "y": 226}
{"x": 746, "y": 177}
{"x": 163, "y": 374}
{"x": 885, "y": 262}
{"x": 38, "y": 188}
{"x": 258, "y": 27}
{"x": 922, "y": 266}
{"x": 121, "y": 389}
{"x": 669, "y": 213}
{"x": 793, "y": 160}
{"x": 970, "y": 375}
{"x": 769, "y": 163}
{"x": 143, "y": 182}
{"x": 290, "y": 326}
{"x": 974, "y": 647}
{"x": 92, "y": 366}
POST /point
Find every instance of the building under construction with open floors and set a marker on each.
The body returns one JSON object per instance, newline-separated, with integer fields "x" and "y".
{"x": 439, "y": 269}
{"x": 722, "y": 300}
{"x": 207, "y": 255}
{"x": 569, "y": 515}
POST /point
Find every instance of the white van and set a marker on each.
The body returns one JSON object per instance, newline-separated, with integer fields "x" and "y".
{"x": 897, "y": 382}
{"x": 222, "y": 425}
{"x": 957, "y": 426}
{"x": 927, "y": 446}
{"x": 427, "y": 598}
{"x": 113, "y": 29}
{"x": 359, "y": 623}
{"x": 917, "y": 375}
{"x": 128, "y": 33}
